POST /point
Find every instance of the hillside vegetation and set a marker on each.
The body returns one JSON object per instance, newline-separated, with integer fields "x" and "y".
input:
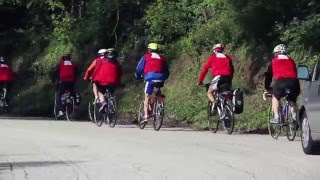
{"x": 35, "y": 33}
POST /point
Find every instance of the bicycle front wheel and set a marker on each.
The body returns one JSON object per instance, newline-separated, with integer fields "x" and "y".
{"x": 228, "y": 119}
{"x": 159, "y": 113}
{"x": 98, "y": 117}
{"x": 213, "y": 121}
{"x": 55, "y": 108}
{"x": 292, "y": 126}
{"x": 274, "y": 129}
{"x": 141, "y": 124}
{"x": 112, "y": 113}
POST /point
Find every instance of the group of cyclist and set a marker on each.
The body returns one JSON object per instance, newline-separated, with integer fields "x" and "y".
{"x": 105, "y": 73}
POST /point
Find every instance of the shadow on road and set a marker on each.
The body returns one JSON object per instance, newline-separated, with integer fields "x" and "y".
{"x": 20, "y": 165}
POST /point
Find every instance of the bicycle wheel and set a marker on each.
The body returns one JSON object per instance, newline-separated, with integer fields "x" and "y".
{"x": 91, "y": 112}
{"x": 55, "y": 107}
{"x": 159, "y": 113}
{"x": 112, "y": 114}
{"x": 292, "y": 127}
{"x": 228, "y": 119}
{"x": 141, "y": 116}
{"x": 274, "y": 129}
{"x": 70, "y": 109}
{"x": 213, "y": 121}
{"x": 98, "y": 117}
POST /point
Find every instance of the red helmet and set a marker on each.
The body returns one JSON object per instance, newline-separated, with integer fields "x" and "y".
{"x": 218, "y": 48}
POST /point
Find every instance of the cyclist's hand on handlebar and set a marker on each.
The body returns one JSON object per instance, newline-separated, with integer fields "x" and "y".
{"x": 199, "y": 83}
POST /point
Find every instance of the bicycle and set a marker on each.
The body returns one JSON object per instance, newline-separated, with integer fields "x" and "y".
{"x": 155, "y": 108}
{"x": 109, "y": 113}
{"x": 286, "y": 120}
{"x": 223, "y": 109}
{"x": 67, "y": 103}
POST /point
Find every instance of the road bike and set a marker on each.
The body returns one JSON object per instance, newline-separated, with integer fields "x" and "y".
{"x": 109, "y": 113}
{"x": 155, "y": 108}
{"x": 287, "y": 122}
{"x": 67, "y": 103}
{"x": 222, "y": 113}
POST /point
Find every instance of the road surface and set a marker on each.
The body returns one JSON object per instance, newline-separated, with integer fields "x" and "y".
{"x": 47, "y": 149}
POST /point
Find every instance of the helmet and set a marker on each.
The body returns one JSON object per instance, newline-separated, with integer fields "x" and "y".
{"x": 281, "y": 49}
{"x": 111, "y": 53}
{"x": 153, "y": 46}
{"x": 102, "y": 52}
{"x": 218, "y": 48}
{"x": 65, "y": 57}
{"x": 2, "y": 60}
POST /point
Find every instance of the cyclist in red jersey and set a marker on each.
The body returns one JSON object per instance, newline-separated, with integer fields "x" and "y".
{"x": 221, "y": 70}
{"x": 6, "y": 77}
{"x": 284, "y": 72}
{"x": 64, "y": 76}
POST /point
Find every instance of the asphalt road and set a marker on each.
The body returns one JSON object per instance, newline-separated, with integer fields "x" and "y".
{"x": 46, "y": 149}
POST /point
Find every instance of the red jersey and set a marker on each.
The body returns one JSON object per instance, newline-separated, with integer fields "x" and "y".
{"x": 220, "y": 64}
{"x": 6, "y": 73}
{"x": 283, "y": 67}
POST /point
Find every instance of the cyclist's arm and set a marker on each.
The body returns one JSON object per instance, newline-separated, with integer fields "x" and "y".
{"x": 140, "y": 67}
{"x": 268, "y": 78}
{"x": 86, "y": 76}
{"x": 204, "y": 70}
{"x": 232, "y": 67}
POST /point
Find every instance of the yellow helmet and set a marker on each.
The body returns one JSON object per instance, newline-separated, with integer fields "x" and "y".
{"x": 153, "y": 46}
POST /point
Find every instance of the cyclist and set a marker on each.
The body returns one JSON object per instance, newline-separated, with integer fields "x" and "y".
{"x": 106, "y": 73}
{"x": 221, "y": 70}
{"x": 64, "y": 76}
{"x": 6, "y": 77}
{"x": 154, "y": 68}
{"x": 284, "y": 72}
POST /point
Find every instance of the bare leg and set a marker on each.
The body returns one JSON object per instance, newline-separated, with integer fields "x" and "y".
{"x": 211, "y": 95}
{"x": 293, "y": 110}
{"x": 146, "y": 102}
{"x": 95, "y": 90}
{"x": 275, "y": 107}
{"x": 101, "y": 97}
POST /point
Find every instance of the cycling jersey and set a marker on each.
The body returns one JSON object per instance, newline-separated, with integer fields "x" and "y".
{"x": 6, "y": 73}
{"x": 104, "y": 72}
{"x": 283, "y": 67}
{"x": 220, "y": 64}
{"x": 67, "y": 71}
{"x": 153, "y": 67}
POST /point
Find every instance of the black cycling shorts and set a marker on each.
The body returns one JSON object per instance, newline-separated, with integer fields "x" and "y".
{"x": 103, "y": 88}
{"x": 281, "y": 85}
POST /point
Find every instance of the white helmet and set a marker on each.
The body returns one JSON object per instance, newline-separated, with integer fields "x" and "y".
{"x": 281, "y": 48}
{"x": 102, "y": 52}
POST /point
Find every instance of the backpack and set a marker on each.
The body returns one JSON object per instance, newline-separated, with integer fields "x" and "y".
{"x": 237, "y": 101}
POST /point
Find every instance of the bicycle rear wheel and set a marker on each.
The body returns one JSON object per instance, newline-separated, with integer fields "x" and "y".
{"x": 274, "y": 129}
{"x": 70, "y": 110}
{"x": 292, "y": 126}
{"x": 159, "y": 113}
{"x": 228, "y": 120}
{"x": 91, "y": 112}
{"x": 213, "y": 121}
{"x": 55, "y": 107}
{"x": 112, "y": 114}
{"x": 98, "y": 117}
{"x": 141, "y": 124}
